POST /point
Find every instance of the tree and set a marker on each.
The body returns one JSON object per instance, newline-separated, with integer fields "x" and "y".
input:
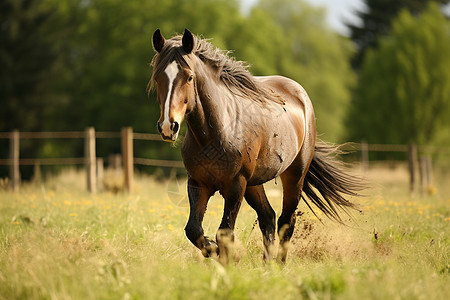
{"x": 26, "y": 54}
{"x": 317, "y": 58}
{"x": 376, "y": 20}
{"x": 403, "y": 93}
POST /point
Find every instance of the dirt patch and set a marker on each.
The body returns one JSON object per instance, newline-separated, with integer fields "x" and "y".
{"x": 316, "y": 241}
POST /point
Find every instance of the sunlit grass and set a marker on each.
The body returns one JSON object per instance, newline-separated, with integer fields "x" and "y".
{"x": 59, "y": 242}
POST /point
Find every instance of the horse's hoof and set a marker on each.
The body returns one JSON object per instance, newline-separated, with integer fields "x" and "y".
{"x": 210, "y": 249}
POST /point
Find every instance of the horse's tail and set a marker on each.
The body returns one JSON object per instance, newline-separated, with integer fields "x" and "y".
{"x": 328, "y": 182}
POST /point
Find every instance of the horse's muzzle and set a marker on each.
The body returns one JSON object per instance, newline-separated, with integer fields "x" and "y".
{"x": 169, "y": 133}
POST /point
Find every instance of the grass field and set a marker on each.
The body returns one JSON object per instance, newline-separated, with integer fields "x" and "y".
{"x": 59, "y": 242}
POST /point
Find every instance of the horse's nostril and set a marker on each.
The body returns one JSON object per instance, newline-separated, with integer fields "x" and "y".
{"x": 159, "y": 127}
{"x": 176, "y": 126}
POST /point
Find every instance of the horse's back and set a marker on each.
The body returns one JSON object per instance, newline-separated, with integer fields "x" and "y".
{"x": 291, "y": 91}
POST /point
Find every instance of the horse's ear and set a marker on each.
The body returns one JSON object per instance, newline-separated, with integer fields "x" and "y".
{"x": 158, "y": 41}
{"x": 188, "y": 41}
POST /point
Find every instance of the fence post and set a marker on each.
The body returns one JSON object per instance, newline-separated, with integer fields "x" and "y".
{"x": 429, "y": 171}
{"x": 364, "y": 156}
{"x": 425, "y": 173}
{"x": 127, "y": 157}
{"x": 412, "y": 161}
{"x": 115, "y": 161}
{"x": 100, "y": 172}
{"x": 90, "y": 159}
{"x": 37, "y": 176}
{"x": 14, "y": 170}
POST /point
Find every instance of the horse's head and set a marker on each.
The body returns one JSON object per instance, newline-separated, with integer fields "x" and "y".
{"x": 174, "y": 80}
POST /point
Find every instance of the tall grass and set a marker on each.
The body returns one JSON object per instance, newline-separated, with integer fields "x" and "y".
{"x": 59, "y": 242}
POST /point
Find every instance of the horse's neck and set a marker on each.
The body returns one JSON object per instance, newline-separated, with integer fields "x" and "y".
{"x": 209, "y": 118}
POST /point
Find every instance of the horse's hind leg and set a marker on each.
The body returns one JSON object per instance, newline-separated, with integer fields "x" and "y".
{"x": 198, "y": 199}
{"x": 286, "y": 221}
{"x": 257, "y": 199}
{"x": 292, "y": 179}
{"x": 233, "y": 194}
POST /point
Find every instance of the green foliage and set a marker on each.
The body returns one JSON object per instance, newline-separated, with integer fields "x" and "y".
{"x": 376, "y": 19}
{"x": 404, "y": 89}
{"x": 317, "y": 58}
{"x": 26, "y": 53}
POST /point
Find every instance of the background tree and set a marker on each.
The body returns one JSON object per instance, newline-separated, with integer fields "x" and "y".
{"x": 376, "y": 20}
{"x": 26, "y": 53}
{"x": 404, "y": 91}
{"x": 316, "y": 57}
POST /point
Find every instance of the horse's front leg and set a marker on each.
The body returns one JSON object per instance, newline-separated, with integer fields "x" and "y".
{"x": 233, "y": 194}
{"x": 198, "y": 200}
{"x": 257, "y": 199}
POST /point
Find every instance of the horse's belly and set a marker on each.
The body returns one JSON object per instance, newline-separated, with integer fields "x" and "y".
{"x": 264, "y": 173}
{"x": 274, "y": 158}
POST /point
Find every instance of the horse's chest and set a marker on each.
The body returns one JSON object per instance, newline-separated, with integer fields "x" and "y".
{"x": 212, "y": 162}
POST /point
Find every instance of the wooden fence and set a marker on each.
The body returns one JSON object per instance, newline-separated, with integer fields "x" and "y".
{"x": 420, "y": 163}
{"x": 94, "y": 165}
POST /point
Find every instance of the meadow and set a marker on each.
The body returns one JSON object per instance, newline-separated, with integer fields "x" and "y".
{"x": 57, "y": 241}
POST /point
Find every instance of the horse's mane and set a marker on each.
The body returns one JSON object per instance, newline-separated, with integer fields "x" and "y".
{"x": 233, "y": 73}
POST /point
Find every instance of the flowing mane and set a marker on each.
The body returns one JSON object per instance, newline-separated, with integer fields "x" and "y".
{"x": 233, "y": 73}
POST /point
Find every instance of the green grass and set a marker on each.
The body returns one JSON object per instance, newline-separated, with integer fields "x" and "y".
{"x": 59, "y": 242}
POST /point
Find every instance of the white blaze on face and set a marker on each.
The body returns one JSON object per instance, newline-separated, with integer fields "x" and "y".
{"x": 171, "y": 72}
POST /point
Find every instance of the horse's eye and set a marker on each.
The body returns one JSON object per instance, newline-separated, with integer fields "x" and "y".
{"x": 190, "y": 78}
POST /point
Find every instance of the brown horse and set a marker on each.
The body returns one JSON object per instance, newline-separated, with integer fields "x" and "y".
{"x": 242, "y": 131}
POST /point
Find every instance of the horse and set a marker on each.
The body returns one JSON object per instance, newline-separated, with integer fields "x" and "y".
{"x": 243, "y": 131}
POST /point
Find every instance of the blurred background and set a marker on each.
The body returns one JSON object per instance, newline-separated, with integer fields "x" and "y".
{"x": 376, "y": 71}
